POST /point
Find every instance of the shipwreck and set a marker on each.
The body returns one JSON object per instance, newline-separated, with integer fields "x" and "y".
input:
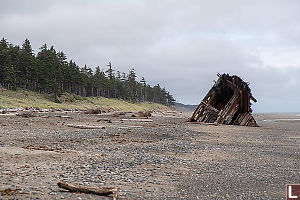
{"x": 227, "y": 102}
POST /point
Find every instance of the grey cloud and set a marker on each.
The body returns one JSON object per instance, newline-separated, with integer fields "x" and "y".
{"x": 179, "y": 44}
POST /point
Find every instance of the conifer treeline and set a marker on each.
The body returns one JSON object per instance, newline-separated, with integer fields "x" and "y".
{"x": 49, "y": 71}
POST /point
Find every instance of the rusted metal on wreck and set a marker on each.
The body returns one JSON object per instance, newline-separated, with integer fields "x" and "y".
{"x": 227, "y": 102}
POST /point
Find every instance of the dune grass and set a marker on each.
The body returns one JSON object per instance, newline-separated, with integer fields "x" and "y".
{"x": 23, "y": 99}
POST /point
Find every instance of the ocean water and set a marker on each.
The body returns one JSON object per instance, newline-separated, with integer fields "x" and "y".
{"x": 294, "y": 117}
{"x": 288, "y": 119}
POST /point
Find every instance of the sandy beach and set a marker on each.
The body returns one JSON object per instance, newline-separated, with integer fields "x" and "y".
{"x": 161, "y": 158}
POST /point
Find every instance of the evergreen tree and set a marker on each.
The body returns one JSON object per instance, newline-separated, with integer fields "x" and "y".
{"x": 4, "y": 62}
{"x": 27, "y": 69}
{"x": 132, "y": 85}
{"x": 109, "y": 71}
{"x": 50, "y": 72}
{"x": 99, "y": 81}
{"x": 143, "y": 89}
{"x": 118, "y": 77}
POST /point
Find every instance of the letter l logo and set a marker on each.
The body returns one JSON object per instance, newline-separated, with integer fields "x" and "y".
{"x": 290, "y": 193}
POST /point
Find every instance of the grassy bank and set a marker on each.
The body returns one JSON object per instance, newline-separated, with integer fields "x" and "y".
{"x": 23, "y": 99}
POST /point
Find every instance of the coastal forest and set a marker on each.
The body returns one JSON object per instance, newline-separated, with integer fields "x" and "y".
{"x": 49, "y": 71}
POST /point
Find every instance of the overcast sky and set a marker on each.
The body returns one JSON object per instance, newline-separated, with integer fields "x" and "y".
{"x": 180, "y": 44}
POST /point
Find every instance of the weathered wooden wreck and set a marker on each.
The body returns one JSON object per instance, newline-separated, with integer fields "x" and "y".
{"x": 227, "y": 102}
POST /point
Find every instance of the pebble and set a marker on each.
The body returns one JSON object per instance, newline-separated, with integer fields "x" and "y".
{"x": 176, "y": 163}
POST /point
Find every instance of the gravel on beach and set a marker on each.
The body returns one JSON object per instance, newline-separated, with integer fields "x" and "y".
{"x": 164, "y": 159}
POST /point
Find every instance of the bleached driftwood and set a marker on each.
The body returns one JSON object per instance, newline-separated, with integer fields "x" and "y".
{"x": 138, "y": 120}
{"x": 85, "y": 126}
{"x": 129, "y": 127}
{"x": 63, "y": 116}
{"x": 90, "y": 190}
{"x": 8, "y": 114}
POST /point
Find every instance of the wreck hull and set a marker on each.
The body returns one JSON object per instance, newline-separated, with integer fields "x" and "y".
{"x": 227, "y": 102}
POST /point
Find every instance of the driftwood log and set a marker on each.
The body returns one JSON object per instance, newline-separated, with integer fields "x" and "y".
{"x": 137, "y": 120}
{"x": 90, "y": 190}
{"x": 85, "y": 126}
